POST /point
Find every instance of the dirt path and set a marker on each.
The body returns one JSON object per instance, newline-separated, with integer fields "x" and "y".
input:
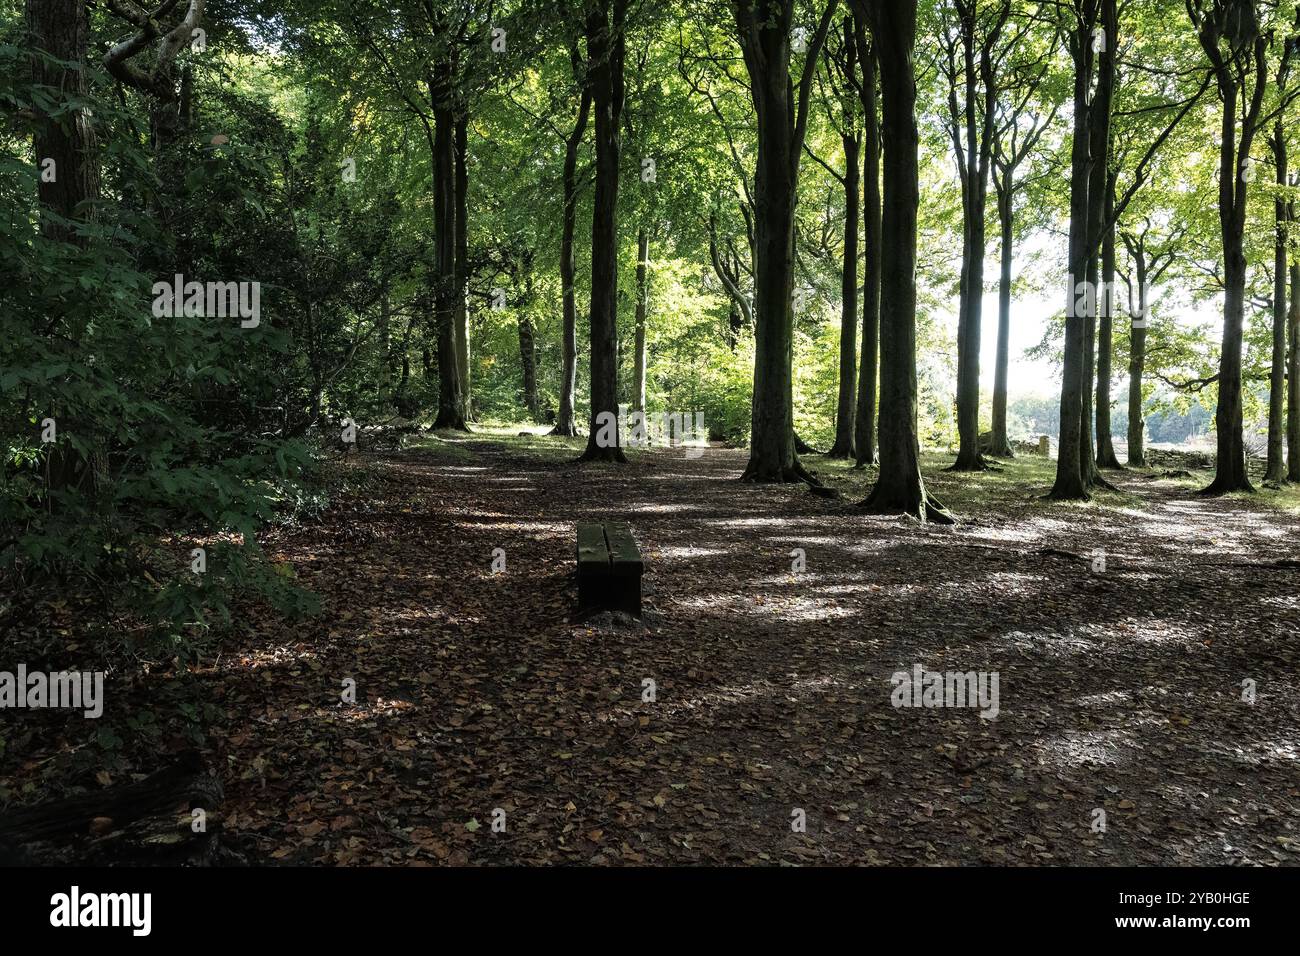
{"x": 1119, "y": 690}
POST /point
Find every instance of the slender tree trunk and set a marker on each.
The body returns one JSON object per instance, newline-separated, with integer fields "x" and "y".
{"x": 1087, "y": 452}
{"x": 314, "y": 364}
{"x": 1106, "y": 302}
{"x": 1275, "y": 473}
{"x": 969, "y": 321}
{"x": 1236, "y": 135}
{"x": 846, "y": 407}
{"x": 642, "y": 296}
{"x": 1137, "y": 365}
{"x": 400, "y": 402}
{"x": 1293, "y": 374}
{"x": 726, "y": 266}
{"x": 1069, "y": 484}
{"x": 1230, "y": 463}
{"x": 566, "y": 423}
{"x": 1098, "y": 173}
{"x": 451, "y": 407}
{"x": 899, "y": 486}
{"x": 385, "y": 354}
{"x": 460, "y": 318}
{"x": 981, "y": 130}
{"x": 1000, "y": 446}
{"x": 865, "y": 424}
{"x": 605, "y": 48}
{"x": 402, "y": 381}
{"x": 430, "y": 332}
{"x": 528, "y": 363}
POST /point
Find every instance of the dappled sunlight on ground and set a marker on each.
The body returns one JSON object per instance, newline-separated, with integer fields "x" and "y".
{"x": 1108, "y": 747}
{"x": 1120, "y": 683}
{"x": 672, "y": 553}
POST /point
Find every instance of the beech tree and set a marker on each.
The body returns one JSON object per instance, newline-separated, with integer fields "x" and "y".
{"x": 1082, "y": 20}
{"x": 1151, "y": 251}
{"x": 1093, "y": 37}
{"x": 899, "y": 487}
{"x": 1020, "y": 128}
{"x": 765, "y": 30}
{"x": 971, "y": 59}
{"x": 1276, "y": 467}
{"x": 435, "y": 60}
{"x": 574, "y": 99}
{"x": 864, "y": 438}
{"x": 842, "y": 108}
{"x": 1276, "y": 470}
{"x": 1293, "y": 350}
{"x": 606, "y": 26}
{"x": 1237, "y": 50}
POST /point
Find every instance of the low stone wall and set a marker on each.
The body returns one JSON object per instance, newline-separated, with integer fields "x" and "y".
{"x": 1174, "y": 459}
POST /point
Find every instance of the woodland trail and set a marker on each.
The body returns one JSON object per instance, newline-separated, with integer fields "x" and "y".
{"x": 1120, "y": 690}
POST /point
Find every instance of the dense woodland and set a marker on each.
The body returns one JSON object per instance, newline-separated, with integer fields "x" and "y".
{"x": 796, "y": 223}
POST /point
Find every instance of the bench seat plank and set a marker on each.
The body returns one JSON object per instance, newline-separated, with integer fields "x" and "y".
{"x": 593, "y": 552}
{"x": 624, "y": 555}
{"x": 609, "y": 568}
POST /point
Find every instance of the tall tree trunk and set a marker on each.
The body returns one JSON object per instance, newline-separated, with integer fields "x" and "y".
{"x": 1069, "y": 484}
{"x": 772, "y": 453}
{"x": 1137, "y": 363}
{"x": 765, "y": 30}
{"x": 899, "y": 486}
{"x": 1098, "y": 174}
{"x": 1069, "y": 479}
{"x": 566, "y": 422}
{"x": 605, "y": 47}
{"x": 846, "y": 407}
{"x": 1230, "y": 465}
{"x": 1236, "y": 135}
{"x": 865, "y": 425}
{"x": 1000, "y": 446}
{"x": 461, "y": 317}
{"x": 1276, "y": 470}
{"x": 451, "y": 406}
{"x": 642, "y": 296}
{"x": 1293, "y": 373}
{"x": 1087, "y": 451}
{"x": 1230, "y": 472}
{"x": 1106, "y": 304}
{"x": 969, "y": 321}
{"x": 61, "y": 29}
{"x": 978, "y": 116}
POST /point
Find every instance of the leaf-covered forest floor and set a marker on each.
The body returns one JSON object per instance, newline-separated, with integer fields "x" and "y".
{"x": 1120, "y": 689}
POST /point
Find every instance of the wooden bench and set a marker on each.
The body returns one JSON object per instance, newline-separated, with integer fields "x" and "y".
{"x": 609, "y": 568}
